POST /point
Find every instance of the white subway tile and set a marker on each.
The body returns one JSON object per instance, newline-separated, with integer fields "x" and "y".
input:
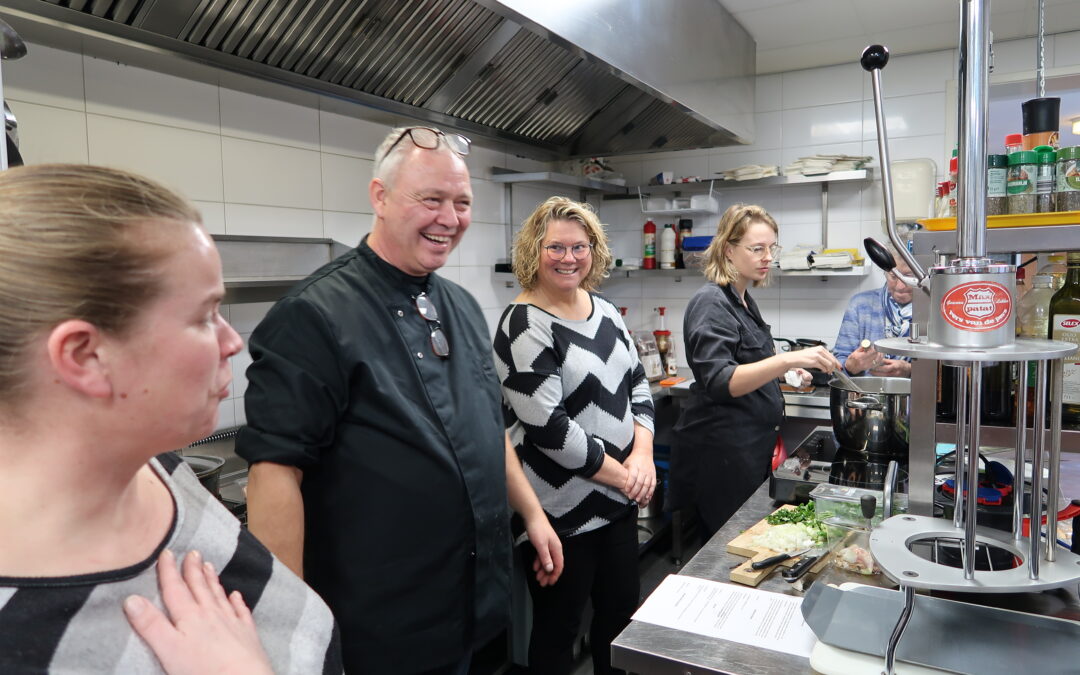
{"x": 346, "y": 228}
{"x": 483, "y": 244}
{"x": 240, "y": 363}
{"x": 344, "y": 135}
{"x": 914, "y": 147}
{"x": 823, "y": 86}
{"x": 46, "y": 76}
{"x": 768, "y": 126}
{"x": 239, "y": 412}
{"x": 916, "y": 115}
{"x": 48, "y": 134}
{"x": 213, "y": 216}
{"x": 272, "y": 221}
{"x": 226, "y": 416}
{"x": 1066, "y": 50}
{"x": 487, "y": 203}
{"x": 273, "y": 175}
{"x": 245, "y": 316}
{"x": 820, "y": 125}
{"x": 487, "y": 290}
{"x": 480, "y": 161}
{"x": 910, "y": 74}
{"x": 345, "y": 183}
{"x": 450, "y": 273}
{"x": 1015, "y": 56}
{"x": 187, "y": 161}
{"x": 793, "y": 152}
{"x": 133, "y": 93}
{"x": 269, "y": 120}
{"x": 768, "y": 90}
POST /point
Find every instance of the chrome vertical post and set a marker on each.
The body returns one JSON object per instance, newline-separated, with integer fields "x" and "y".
{"x": 971, "y": 484}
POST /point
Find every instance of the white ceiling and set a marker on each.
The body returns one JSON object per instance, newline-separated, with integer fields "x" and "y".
{"x": 796, "y": 34}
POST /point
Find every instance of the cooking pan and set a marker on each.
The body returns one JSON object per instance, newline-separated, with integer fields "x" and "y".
{"x": 875, "y": 420}
{"x": 208, "y": 470}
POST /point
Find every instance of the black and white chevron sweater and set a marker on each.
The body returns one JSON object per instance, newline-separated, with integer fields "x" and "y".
{"x": 572, "y": 391}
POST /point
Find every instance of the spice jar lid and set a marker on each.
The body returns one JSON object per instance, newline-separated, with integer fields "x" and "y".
{"x": 995, "y": 161}
{"x": 1072, "y": 152}
{"x": 1046, "y": 154}
{"x": 1014, "y": 139}
{"x": 1022, "y": 157}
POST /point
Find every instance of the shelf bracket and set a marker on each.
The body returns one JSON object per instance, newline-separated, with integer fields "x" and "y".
{"x": 824, "y": 215}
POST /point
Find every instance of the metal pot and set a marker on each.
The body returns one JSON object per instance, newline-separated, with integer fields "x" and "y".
{"x": 874, "y": 421}
{"x": 208, "y": 470}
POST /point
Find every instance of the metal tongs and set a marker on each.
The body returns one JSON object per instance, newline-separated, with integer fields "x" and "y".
{"x": 847, "y": 381}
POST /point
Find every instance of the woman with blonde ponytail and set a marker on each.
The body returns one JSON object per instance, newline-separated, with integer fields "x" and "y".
{"x": 728, "y": 426}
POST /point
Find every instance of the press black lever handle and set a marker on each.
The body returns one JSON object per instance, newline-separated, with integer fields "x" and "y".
{"x": 874, "y": 57}
{"x": 879, "y": 254}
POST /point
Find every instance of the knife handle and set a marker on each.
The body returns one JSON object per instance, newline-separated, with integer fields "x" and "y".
{"x": 769, "y": 562}
{"x": 800, "y": 568}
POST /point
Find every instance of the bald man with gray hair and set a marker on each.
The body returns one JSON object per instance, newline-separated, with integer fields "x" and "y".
{"x": 380, "y": 469}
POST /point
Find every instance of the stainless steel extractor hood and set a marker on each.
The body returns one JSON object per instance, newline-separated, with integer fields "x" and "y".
{"x": 551, "y": 78}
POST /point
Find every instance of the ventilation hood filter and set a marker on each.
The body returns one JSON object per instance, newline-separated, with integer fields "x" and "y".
{"x": 552, "y": 79}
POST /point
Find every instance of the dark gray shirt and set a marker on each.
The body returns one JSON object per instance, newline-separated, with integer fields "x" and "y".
{"x": 403, "y": 457}
{"x": 720, "y": 335}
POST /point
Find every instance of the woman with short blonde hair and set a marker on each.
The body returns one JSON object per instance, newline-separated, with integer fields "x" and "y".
{"x": 530, "y": 240}
{"x": 729, "y": 425}
{"x": 579, "y": 413}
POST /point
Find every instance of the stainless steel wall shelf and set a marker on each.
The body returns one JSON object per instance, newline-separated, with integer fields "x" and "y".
{"x": 262, "y": 269}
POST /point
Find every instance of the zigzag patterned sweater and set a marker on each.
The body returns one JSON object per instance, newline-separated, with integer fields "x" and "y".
{"x": 572, "y": 391}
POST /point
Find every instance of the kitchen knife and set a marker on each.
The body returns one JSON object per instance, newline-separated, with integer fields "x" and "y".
{"x": 799, "y": 569}
{"x": 776, "y": 559}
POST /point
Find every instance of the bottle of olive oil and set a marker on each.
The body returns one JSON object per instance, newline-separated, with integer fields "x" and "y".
{"x": 1065, "y": 326}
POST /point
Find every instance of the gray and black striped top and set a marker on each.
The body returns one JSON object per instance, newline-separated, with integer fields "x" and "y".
{"x": 77, "y": 625}
{"x": 572, "y": 391}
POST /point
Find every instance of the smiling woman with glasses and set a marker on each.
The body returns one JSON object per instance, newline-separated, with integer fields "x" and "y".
{"x": 728, "y": 427}
{"x": 580, "y": 416}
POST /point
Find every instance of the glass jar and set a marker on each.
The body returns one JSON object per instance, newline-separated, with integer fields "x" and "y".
{"x": 1068, "y": 179}
{"x": 1021, "y": 181}
{"x": 997, "y": 169}
{"x": 1044, "y": 179}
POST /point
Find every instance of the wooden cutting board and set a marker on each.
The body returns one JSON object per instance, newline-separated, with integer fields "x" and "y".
{"x": 743, "y": 545}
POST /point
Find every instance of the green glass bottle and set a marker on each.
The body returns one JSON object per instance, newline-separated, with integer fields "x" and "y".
{"x": 1065, "y": 326}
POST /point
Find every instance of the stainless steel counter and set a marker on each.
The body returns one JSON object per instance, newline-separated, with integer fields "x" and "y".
{"x": 812, "y": 406}
{"x": 648, "y": 649}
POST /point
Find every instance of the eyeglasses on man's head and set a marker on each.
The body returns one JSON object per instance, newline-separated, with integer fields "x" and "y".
{"x": 440, "y": 346}
{"x": 558, "y": 251}
{"x": 428, "y": 139}
{"x": 760, "y": 250}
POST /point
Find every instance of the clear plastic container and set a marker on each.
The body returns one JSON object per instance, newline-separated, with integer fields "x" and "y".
{"x": 1055, "y": 267}
{"x": 841, "y": 505}
{"x": 1034, "y": 312}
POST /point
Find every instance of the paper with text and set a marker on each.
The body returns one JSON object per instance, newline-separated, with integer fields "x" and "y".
{"x": 729, "y": 612}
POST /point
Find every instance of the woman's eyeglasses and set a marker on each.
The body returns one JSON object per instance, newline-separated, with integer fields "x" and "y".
{"x": 439, "y": 344}
{"x": 558, "y": 251}
{"x": 428, "y": 139}
{"x": 759, "y": 250}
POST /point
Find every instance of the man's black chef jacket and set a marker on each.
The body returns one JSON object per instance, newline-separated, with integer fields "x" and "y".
{"x": 403, "y": 459}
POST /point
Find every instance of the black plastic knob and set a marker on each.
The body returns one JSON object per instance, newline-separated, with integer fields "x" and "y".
{"x": 874, "y": 57}
{"x": 879, "y": 254}
{"x": 868, "y": 504}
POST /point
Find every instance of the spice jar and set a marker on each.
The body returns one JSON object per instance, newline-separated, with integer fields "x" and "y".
{"x": 1068, "y": 179}
{"x": 1020, "y": 184}
{"x": 997, "y": 167}
{"x": 1044, "y": 179}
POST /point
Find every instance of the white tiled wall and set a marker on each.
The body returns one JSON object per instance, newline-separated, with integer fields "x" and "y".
{"x": 820, "y": 110}
{"x": 253, "y": 165}
{"x": 259, "y": 165}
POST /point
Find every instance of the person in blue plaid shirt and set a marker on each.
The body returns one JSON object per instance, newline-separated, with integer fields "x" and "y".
{"x": 872, "y": 315}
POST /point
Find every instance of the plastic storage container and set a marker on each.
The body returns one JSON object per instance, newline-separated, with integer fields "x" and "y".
{"x": 840, "y": 505}
{"x": 693, "y": 249}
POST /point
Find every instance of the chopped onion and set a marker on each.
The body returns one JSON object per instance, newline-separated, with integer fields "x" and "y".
{"x": 786, "y": 538}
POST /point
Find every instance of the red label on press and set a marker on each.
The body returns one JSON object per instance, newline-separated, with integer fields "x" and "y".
{"x": 977, "y": 306}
